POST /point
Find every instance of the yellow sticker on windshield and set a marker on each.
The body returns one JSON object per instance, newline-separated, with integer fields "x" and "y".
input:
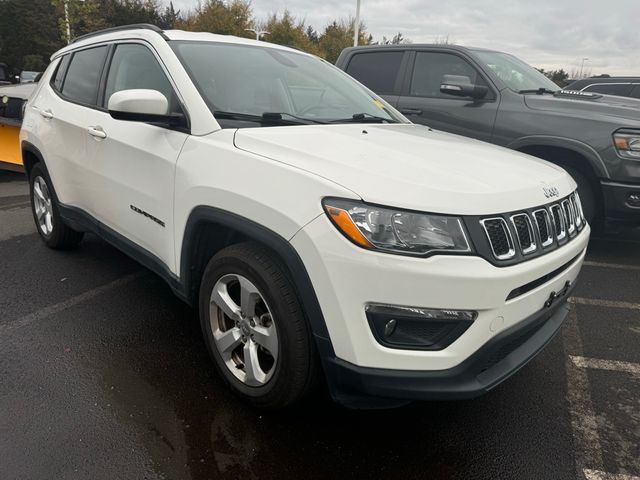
{"x": 378, "y": 103}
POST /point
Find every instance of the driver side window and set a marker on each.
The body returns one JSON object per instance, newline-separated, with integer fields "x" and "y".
{"x": 134, "y": 66}
{"x": 430, "y": 69}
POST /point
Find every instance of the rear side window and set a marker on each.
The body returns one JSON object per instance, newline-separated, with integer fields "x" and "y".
{"x": 133, "y": 67}
{"x": 635, "y": 93}
{"x": 430, "y": 69}
{"x": 376, "y": 70}
{"x": 82, "y": 81}
{"x": 609, "y": 89}
{"x": 60, "y": 71}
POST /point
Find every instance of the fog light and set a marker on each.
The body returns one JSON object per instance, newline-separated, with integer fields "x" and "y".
{"x": 633, "y": 200}
{"x": 415, "y": 328}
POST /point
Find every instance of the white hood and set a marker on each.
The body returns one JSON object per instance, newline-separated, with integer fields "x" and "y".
{"x": 409, "y": 166}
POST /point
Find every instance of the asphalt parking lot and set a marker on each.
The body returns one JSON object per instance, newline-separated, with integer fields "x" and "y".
{"x": 103, "y": 374}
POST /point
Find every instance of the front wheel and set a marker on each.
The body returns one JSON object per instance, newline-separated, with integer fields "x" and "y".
{"x": 255, "y": 328}
{"x": 49, "y": 223}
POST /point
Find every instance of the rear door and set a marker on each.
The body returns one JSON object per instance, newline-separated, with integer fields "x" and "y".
{"x": 380, "y": 71}
{"x": 134, "y": 162}
{"x": 422, "y": 102}
{"x": 63, "y": 106}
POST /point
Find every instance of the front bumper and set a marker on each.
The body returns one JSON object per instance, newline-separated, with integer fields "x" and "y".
{"x": 347, "y": 278}
{"x": 616, "y": 201}
{"x": 496, "y": 361}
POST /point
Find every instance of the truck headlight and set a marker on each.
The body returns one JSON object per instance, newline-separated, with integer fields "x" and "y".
{"x": 396, "y": 231}
{"x": 627, "y": 143}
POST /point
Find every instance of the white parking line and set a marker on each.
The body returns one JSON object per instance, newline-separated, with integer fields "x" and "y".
{"x": 59, "y": 307}
{"x": 584, "y": 423}
{"x": 600, "y": 364}
{"x": 598, "y": 475}
{"x": 611, "y": 265}
{"x": 596, "y": 302}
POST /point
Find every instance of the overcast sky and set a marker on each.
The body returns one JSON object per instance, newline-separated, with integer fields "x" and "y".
{"x": 545, "y": 33}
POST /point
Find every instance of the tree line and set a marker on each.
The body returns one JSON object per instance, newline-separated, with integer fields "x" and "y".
{"x": 30, "y": 31}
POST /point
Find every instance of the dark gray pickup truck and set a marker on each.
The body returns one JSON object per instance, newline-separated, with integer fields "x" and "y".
{"x": 495, "y": 97}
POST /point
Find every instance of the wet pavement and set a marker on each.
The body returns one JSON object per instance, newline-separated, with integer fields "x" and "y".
{"x": 103, "y": 374}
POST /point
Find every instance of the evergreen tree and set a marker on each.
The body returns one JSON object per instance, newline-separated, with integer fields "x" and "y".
{"x": 28, "y": 32}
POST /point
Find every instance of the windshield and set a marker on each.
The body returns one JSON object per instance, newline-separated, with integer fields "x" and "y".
{"x": 516, "y": 74}
{"x": 245, "y": 85}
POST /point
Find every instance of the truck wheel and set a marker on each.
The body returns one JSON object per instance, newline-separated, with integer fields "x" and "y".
{"x": 255, "y": 328}
{"x": 49, "y": 223}
{"x": 587, "y": 196}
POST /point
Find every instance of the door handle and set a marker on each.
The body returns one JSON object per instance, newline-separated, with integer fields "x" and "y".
{"x": 48, "y": 114}
{"x": 411, "y": 111}
{"x": 97, "y": 132}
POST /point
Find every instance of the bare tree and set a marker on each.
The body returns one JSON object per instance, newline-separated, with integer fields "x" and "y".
{"x": 575, "y": 73}
{"x": 443, "y": 40}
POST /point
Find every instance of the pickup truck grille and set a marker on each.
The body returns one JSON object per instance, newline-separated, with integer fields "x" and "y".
{"x": 516, "y": 236}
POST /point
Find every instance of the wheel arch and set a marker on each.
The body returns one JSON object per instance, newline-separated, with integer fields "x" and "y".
{"x": 30, "y": 156}
{"x": 209, "y": 229}
{"x": 577, "y": 157}
{"x": 564, "y": 152}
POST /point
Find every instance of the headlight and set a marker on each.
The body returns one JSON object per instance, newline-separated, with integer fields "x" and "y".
{"x": 397, "y": 231}
{"x": 627, "y": 143}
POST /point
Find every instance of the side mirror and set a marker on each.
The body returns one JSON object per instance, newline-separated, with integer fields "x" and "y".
{"x": 461, "y": 86}
{"x": 148, "y": 106}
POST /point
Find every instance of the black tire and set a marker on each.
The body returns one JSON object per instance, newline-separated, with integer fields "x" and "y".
{"x": 58, "y": 236}
{"x": 590, "y": 206}
{"x": 296, "y": 372}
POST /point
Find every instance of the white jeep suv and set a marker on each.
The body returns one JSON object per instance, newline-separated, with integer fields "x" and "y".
{"x": 319, "y": 232}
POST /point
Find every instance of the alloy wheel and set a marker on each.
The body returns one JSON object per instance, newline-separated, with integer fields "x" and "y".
{"x": 43, "y": 205}
{"x": 243, "y": 330}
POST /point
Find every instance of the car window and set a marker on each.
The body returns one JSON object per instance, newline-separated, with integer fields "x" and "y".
{"x": 3, "y": 74}
{"x": 635, "y": 93}
{"x": 82, "y": 81}
{"x": 135, "y": 67}
{"x": 608, "y": 89}
{"x": 431, "y": 67}
{"x": 376, "y": 70}
{"x": 516, "y": 74}
{"x": 60, "y": 71}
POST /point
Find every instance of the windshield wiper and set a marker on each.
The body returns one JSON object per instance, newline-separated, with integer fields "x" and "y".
{"x": 539, "y": 91}
{"x": 280, "y": 115}
{"x": 265, "y": 118}
{"x": 364, "y": 117}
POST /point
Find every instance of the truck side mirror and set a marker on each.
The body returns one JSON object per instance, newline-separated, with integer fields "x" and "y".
{"x": 461, "y": 86}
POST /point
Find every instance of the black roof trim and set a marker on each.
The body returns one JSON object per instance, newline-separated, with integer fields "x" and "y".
{"x": 135, "y": 26}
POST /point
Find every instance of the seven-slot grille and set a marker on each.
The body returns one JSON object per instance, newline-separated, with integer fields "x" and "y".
{"x": 534, "y": 230}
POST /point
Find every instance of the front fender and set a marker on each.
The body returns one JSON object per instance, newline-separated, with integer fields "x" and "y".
{"x": 595, "y": 160}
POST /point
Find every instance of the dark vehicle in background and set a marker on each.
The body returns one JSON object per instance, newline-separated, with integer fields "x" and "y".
{"x": 6, "y": 76}
{"x": 620, "y": 86}
{"x": 497, "y": 98}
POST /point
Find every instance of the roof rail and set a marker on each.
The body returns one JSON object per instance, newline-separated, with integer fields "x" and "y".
{"x": 135, "y": 26}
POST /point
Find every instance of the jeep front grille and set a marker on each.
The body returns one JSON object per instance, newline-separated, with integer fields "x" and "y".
{"x": 512, "y": 236}
{"x": 499, "y": 238}
{"x": 558, "y": 222}
{"x": 543, "y": 224}
{"x": 524, "y": 232}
